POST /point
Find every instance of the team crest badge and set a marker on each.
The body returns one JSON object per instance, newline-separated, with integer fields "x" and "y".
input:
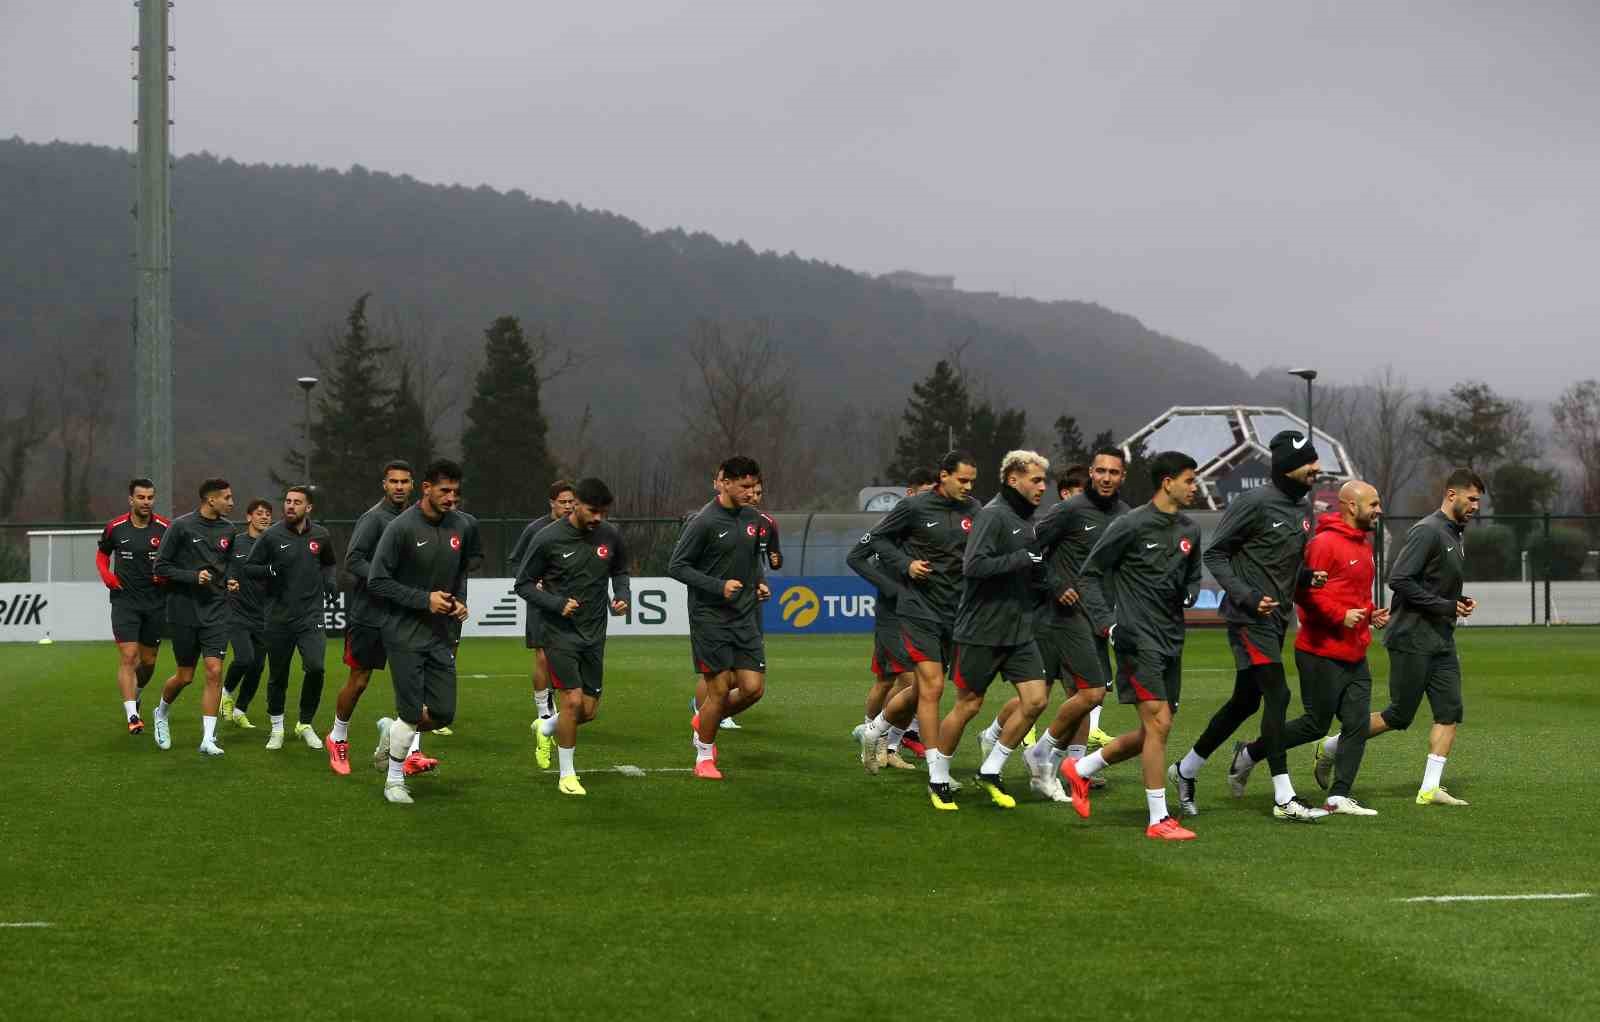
{"x": 602, "y": 551}
{"x": 966, "y": 525}
{"x": 222, "y": 544}
{"x": 313, "y": 546}
{"x": 155, "y": 541}
{"x": 1185, "y": 544}
{"x": 750, "y": 530}
{"x": 455, "y": 542}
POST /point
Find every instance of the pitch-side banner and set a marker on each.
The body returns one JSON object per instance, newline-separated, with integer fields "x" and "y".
{"x": 819, "y": 604}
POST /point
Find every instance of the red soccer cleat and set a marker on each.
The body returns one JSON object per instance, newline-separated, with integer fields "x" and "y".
{"x": 1169, "y": 830}
{"x": 1079, "y": 786}
{"x": 916, "y": 747}
{"x": 135, "y": 725}
{"x": 707, "y": 769}
{"x": 338, "y": 755}
{"x": 417, "y": 763}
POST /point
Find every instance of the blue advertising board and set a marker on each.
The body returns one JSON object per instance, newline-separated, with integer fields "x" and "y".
{"x": 819, "y": 604}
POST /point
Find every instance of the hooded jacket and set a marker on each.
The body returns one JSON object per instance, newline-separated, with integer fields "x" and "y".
{"x": 1345, "y": 553}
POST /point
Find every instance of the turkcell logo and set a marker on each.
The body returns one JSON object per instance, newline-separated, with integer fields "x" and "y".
{"x": 812, "y": 605}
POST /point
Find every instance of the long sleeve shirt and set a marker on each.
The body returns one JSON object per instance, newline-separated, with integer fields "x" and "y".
{"x": 1427, "y": 580}
{"x": 1065, "y": 534}
{"x": 301, "y": 565}
{"x": 716, "y": 545}
{"x": 578, "y": 565}
{"x": 364, "y": 608}
{"x": 191, "y": 544}
{"x": 1001, "y": 578}
{"x": 927, "y": 527}
{"x": 1258, "y": 550}
{"x": 1140, "y": 576}
{"x": 416, "y": 557}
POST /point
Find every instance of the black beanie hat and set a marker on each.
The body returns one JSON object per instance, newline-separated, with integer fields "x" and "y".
{"x": 1290, "y": 450}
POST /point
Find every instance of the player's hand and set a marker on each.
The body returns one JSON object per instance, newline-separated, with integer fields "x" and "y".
{"x": 115, "y": 583}
{"x": 1380, "y": 618}
{"x": 1111, "y": 632}
{"x": 458, "y": 610}
{"x": 762, "y": 591}
{"x": 619, "y": 608}
{"x": 233, "y": 585}
{"x": 569, "y": 608}
{"x": 440, "y": 602}
{"x": 775, "y": 559}
{"x": 1319, "y": 579}
{"x": 1464, "y": 608}
{"x": 1068, "y": 597}
{"x": 1266, "y": 606}
{"x": 919, "y": 570}
{"x": 203, "y": 577}
{"x": 731, "y": 588}
{"x": 1354, "y": 616}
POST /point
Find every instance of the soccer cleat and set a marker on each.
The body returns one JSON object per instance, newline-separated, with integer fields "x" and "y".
{"x": 1037, "y": 770}
{"x": 728, "y": 724}
{"x": 542, "y": 744}
{"x": 1185, "y": 786}
{"x": 443, "y": 732}
{"x": 914, "y": 746}
{"x": 997, "y": 791}
{"x": 985, "y": 743}
{"x": 1169, "y": 830}
{"x": 397, "y": 793}
{"x": 1031, "y": 737}
{"x": 1297, "y": 811}
{"x": 416, "y": 763}
{"x": 225, "y": 708}
{"x": 1079, "y": 786}
{"x": 1049, "y": 788}
{"x": 1322, "y": 766}
{"x": 135, "y": 725}
{"x": 1343, "y": 805}
{"x": 308, "y": 734}
{"x": 240, "y": 720}
{"x": 942, "y": 798}
{"x": 569, "y": 786}
{"x": 955, "y": 785}
{"x": 210, "y": 748}
{"x": 871, "y": 744}
{"x": 707, "y": 769}
{"x": 891, "y": 758}
{"x": 1432, "y": 797}
{"x": 275, "y": 739}
{"x": 1239, "y": 776}
{"x": 1098, "y": 739}
{"x": 380, "y": 755}
{"x": 338, "y": 755}
{"x": 164, "y": 734}
{"x": 855, "y": 733}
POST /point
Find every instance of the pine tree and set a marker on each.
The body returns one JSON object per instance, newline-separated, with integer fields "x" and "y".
{"x": 936, "y": 413}
{"x": 411, "y": 437}
{"x": 1070, "y": 448}
{"x": 504, "y": 450}
{"x": 990, "y": 435}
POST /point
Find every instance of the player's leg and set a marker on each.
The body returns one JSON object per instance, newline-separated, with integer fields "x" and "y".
{"x": 1321, "y": 682}
{"x": 280, "y": 655}
{"x": 211, "y": 695}
{"x": 408, "y": 672}
{"x": 186, "y": 651}
{"x": 243, "y": 653}
{"x": 313, "y": 649}
{"x": 1240, "y": 707}
{"x": 543, "y": 701}
{"x": 1443, "y": 687}
{"x": 1355, "y": 707}
{"x": 707, "y": 720}
{"x": 128, "y": 684}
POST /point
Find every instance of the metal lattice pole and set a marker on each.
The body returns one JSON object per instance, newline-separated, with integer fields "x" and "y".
{"x": 153, "y": 371}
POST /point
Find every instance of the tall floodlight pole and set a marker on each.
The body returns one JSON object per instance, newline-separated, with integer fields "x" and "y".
{"x": 153, "y": 374}
{"x": 306, "y": 383}
{"x": 1308, "y": 375}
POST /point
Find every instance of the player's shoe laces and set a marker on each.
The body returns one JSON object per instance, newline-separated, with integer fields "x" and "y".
{"x": 942, "y": 797}
{"x": 1098, "y": 739}
{"x": 416, "y": 763}
{"x": 542, "y": 744}
{"x": 210, "y": 748}
{"x": 225, "y": 708}
{"x": 338, "y": 754}
{"x": 891, "y": 758}
{"x": 1097, "y": 782}
{"x": 1078, "y": 785}
{"x": 1297, "y": 811}
{"x": 1239, "y": 770}
{"x": 397, "y": 793}
{"x": 1169, "y": 829}
{"x": 1322, "y": 766}
{"x": 380, "y": 755}
{"x": 308, "y": 734}
{"x": 707, "y": 769}
{"x": 913, "y": 745}
{"x": 1343, "y": 805}
{"x": 1185, "y": 786}
{"x": 871, "y": 745}
{"x": 992, "y": 784}
{"x": 135, "y": 725}
{"x": 728, "y": 724}
{"x": 275, "y": 738}
{"x": 164, "y": 733}
{"x": 241, "y": 721}
{"x": 569, "y": 786}
{"x": 1426, "y": 797}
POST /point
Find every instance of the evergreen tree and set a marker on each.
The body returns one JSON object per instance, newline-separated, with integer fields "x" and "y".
{"x": 1474, "y": 427}
{"x": 936, "y": 412}
{"x": 506, "y": 459}
{"x": 990, "y": 434}
{"x": 411, "y": 437}
{"x": 1070, "y": 448}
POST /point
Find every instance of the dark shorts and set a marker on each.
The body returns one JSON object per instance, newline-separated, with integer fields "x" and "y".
{"x": 248, "y": 644}
{"x": 1413, "y": 675}
{"x": 1148, "y": 677}
{"x": 192, "y": 642}
{"x": 363, "y": 648}
{"x": 974, "y": 667}
{"x": 575, "y": 668}
{"x": 889, "y": 656}
{"x": 715, "y": 652}
{"x": 131, "y": 624}
{"x": 533, "y": 629}
{"x": 1074, "y": 653}
{"x": 926, "y": 642}
{"x": 424, "y": 677}
{"x": 1256, "y": 645}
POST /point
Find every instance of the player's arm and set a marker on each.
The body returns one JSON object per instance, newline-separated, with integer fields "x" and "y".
{"x": 885, "y": 539}
{"x": 1238, "y": 521}
{"x": 167, "y": 566}
{"x": 330, "y": 565}
{"x": 471, "y": 548}
{"x": 686, "y": 552}
{"x": 260, "y": 564}
{"x": 869, "y": 566}
{"x": 774, "y": 549}
{"x": 386, "y": 566}
{"x": 534, "y": 564}
{"x": 1196, "y": 567}
{"x": 1319, "y": 602}
{"x": 1049, "y": 534}
{"x": 519, "y": 550}
{"x": 1407, "y": 577}
{"x": 358, "y": 558}
{"x": 102, "y": 560}
{"x": 1102, "y": 560}
{"x": 621, "y": 584}
{"x": 986, "y": 556}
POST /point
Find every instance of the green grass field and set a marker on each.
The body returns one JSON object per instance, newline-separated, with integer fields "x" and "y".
{"x": 177, "y": 886}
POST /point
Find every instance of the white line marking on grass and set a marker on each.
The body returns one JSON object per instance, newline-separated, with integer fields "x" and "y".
{"x": 25, "y": 926}
{"x": 484, "y": 677}
{"x": 629, "y": 770}
{"x": 1498, "y": 897}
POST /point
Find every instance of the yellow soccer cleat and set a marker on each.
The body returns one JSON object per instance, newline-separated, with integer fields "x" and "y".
{"x": 569, "y": 786}
{"x": 1098, "y": 739}
{"x": 991, "y": 783}
{"x": 541, "y": 750}
{"x": 939, "y": 795}
{"x": 1029, "y": 738}
{"x": 1439, "y": 797}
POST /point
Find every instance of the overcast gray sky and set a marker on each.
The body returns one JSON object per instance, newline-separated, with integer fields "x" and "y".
{"x": 1341, "y": 184}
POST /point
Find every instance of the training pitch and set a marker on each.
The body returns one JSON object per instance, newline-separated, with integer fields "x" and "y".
{"x": 143, "y": 884}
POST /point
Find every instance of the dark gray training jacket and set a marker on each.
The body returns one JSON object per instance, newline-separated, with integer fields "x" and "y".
{"x": 719, "y": 544}
{"x": 578, "y": 565}
{"x": 1001, "y": 579}
{"x": 1140, "y": 576}
{"x": 193, "y": 542}
{"x": 416, "y": 557}
{"x": 1427, "y": 579}
{"x": 301, "y": 565}
{"x": 362, "y": 607}
{"x": 928, "y": 527}
{"x": 1066, "y": 533}
{"x": 1257, "y": 551}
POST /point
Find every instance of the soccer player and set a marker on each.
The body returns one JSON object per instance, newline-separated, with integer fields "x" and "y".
{"x": 247, "y": 606}
{"x": 1072, "y": 652}
{"x": 891, "y": 664}
{"x": 419, "y": 571}
{"x": 363, "y": 635}
{"x": 298, "y": 554}
{"x": 718, "y": 557}
{"x": 771, "y": 550}
{"x": 126, "y": 556}
{"x": 1002, "y": 575}
{"x": 1257, "y": 556}
{"x": 562, "y": 499}
{"x": 1135, "y": 584}
{"x": 194, "y": 559}
{"x": 922, "y": 541}
{"x": 564, "y": 577}
{"x": 1427, "y": 580}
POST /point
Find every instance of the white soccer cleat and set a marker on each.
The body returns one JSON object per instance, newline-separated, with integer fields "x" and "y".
{"x": 397, "y": 793}
{"x": 1037, "y": 771}
{"x": 985, "y": 743}
{"x": 308, "y": 734}
{"x": 163, "y": 733}
{"x": 380, "y": 755}
{"x": 728, "y": 724}
{"x": 1050, "y": 789}
{"x": 1239, "y": 773}
{"x": 1340, "y": 805}
{"x": 1296, "y": 811}
{"x": 275, "y": 739}
{"x": 210, "y": 748}
{"x": 871, "y": 744}
{"x": 855, "y": 732}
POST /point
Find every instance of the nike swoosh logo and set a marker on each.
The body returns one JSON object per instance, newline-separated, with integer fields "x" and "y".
{"x": 285, "y": 546}
{"x": 195, "y": 540}
{"x": 1090, "y": 528}
{"x": 1151, "y": 546}
{"x": 123, "y": 541}
{"x": 422, "y": 542}
{"x": 1356, "y": 561}
{"x": 1449, "y": 549}
{"x": 724, "y": 532}
{"x": 1277, "y": 525}
{"x": 1300, "y": 443}
{"x": 1015, "y": 531}
{"x": 929, "y": 525}
{"x": 569, "y": 553}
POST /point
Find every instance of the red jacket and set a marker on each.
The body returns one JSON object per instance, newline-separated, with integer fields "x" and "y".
{"x": 1345, "y": 553}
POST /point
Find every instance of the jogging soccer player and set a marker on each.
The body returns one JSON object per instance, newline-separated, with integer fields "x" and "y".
{"x": 771, "y": 549}
{"x": 565, "y": 577}
{"x": 922, "y": 542}
{"x": 562, "y": 499}
{"x": 767, "y": 530}
{"x": 363, "y": 626}
{"x": 247, "y": 608}
{"x": 718, "y": 557}
{"x": 126, "y": 557}
{"x": 1427, "y": 581}
{"x": 1136, "y": 583}
{"x": 194, "y": 559}
{"x": 1257, "y": 556}
{"x": 1002, "y": 576}
{"x": 298, "y": 555}
{"x": 891, "y": 665}
{"x": 1073, "y": 654}
{"x": 419, "y": 572}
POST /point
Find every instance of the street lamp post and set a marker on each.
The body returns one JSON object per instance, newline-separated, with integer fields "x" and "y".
{"x": 1308, "y": 375}
{"x": 306, "y": 383}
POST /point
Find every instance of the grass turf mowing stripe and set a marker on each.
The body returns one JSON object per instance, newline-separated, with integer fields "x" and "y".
{"x": 1442, "y": 898}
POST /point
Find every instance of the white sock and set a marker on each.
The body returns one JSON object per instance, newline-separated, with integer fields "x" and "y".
{"x": 400, "y": 734}
{"x": 1282, "y": 788}
{"x": 1191, "y": 763}
{"x": 565, "y": 756}
{"x": 541, "y": 701}
{"x": 702, "y": 750}
{"x": 938, "y": 767}
{"x": 995, "y": 762}
{"x": 1091, "y": 764}
{"x": 878, "y": 726}
{"x": 162, "y": 709}
{"x": 1044, "y": 750}
{"x": 547, "y": 726}
{"x": 893, "y": 737}
{"x": 1330, "y": 745}
{"x": 1156, "y": 799}
{"x": 1434, "y": 772}
{"x": 992, "y": 732}
{"x": 416, "y": 743}
{"x": 277, "y": 722}
{"x": 341, "y": 730}
{"x": 208, "y": 730}
{"x": 130, "y": 708}
{"x": 397, "y": 771}
{"x": 1094, "y": 718}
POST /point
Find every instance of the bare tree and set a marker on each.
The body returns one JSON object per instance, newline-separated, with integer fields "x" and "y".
{"x": 1577, "y": 418}
{"x": 22, "y": 435}
{"x": 1382, "y": 432}
{"x": 83, "y": 383}
{"x": 420, "y": 350}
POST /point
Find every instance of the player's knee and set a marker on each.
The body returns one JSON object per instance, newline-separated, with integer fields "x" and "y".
{"x": 314, "y": 676}
{"x": 1033, "y": 702}
{"x": 1094, "y": 696}
{"x": 1394, "y": 720}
